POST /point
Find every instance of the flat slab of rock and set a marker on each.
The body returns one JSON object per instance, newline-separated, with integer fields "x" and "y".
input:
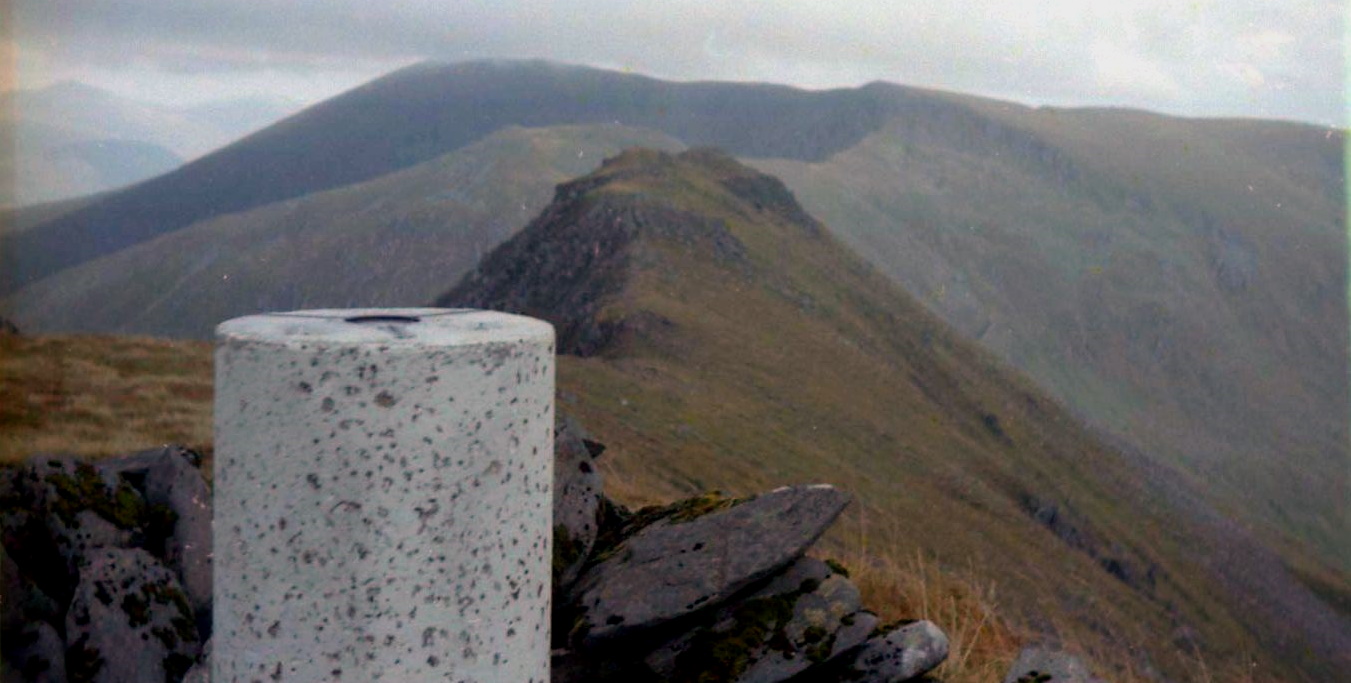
{"x": 677, "y": 566}
{"x": 1039, "y": 664}
{"x": 901, "y": 654}
{"x": 129, "y": 621}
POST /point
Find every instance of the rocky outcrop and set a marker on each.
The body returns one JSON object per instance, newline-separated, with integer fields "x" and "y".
{"x": 201, "y": 671}
{"x": 107, "y": 577}
{"x": 34, "y": 652}
{"x": 170, "y": 481}
{"x": 720, "y": 589}
{"x": 106, "y": 567}
{"x": 1129, "y": 568}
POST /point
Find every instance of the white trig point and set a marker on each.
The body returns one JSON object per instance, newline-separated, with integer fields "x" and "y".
{"x": 383, "y": 496}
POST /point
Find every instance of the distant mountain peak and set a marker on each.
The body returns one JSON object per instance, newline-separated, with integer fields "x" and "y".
{"x": 641, "y": 211}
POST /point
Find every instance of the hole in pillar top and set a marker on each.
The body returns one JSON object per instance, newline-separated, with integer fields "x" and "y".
{"x": 371, "y": 319}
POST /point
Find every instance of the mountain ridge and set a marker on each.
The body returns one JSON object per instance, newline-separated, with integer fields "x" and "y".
{"x": 441, "y": 107}
{"x": 1117, "y": 257}
{"x": 394, "y": 237}
{"x": 763, "y": 352}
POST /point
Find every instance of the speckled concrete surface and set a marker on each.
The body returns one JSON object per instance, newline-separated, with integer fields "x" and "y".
{"x": 382, "y": 496}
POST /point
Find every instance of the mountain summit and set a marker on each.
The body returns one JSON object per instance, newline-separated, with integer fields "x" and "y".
{"x": 608, "y": 231}
{"x": 717, "y": 336}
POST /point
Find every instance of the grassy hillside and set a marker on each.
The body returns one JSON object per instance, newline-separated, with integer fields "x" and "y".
{"x": 727, "y": 341}
{"x": 392, "y": 241}
{"x": 97, "y": 396}
{"x": 1180, "y": 283}
{"x": 17, "y": 219}
{"x": 935, "y": 439}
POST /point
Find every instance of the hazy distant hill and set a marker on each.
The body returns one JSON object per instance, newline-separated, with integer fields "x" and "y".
{"x": 73, "y": 139}
{"x": 392, "y": 241}
{"x": 52, "y": 165}
{"x": 719, "y": 337}
{"x": 1180, "y": 282}
{"x": 422, "y": 112}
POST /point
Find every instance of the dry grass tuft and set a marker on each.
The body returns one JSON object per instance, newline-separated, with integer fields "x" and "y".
{"x": 981, "y": 643}
{"x": 99, "y": 396}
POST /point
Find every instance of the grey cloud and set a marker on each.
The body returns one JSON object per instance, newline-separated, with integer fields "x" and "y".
{"x": 1040, "y": 52}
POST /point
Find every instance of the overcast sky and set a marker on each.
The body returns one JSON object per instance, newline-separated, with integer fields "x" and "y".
{"x": 1262, "y": 58}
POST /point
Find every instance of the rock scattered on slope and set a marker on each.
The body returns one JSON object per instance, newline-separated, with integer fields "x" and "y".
{"x": 106, "y": 577}
{"x": 201, "y": 671}
{"x": 900, "y": 654}
{"x": 720, "y": 589}
{"x": 1039, "y": 664}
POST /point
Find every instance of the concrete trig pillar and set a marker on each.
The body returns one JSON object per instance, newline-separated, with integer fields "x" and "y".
{"x": 383, "y": 496}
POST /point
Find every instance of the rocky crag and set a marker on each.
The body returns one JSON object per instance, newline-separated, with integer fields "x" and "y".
{"x": 107, "y": 577}
{"x": 106, "y": 567}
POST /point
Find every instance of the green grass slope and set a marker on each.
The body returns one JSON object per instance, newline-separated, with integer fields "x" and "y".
{"x": 1180, "y": 283}
{"x": 387, "y": 242}
{"x": 721, "y": 338}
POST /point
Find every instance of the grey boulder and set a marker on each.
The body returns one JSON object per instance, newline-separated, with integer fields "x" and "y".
{"x": 68, "y": 509}
{"x": 129, "y": 621}
{"x": 168, "y": 478}
{"x": 1038, "y": 664}
{"x": 800, "y": 618}
{"x": 689, "y": 562}
{"x": 577, "y": 502}
{"x": 902, "y": 654}
{"x": 35, "y": 654}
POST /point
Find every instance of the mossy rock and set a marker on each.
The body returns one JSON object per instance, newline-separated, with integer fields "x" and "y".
{"x": 798, "y": 619}
{"x": 86, "y": 489}
{"x": 128, "y": 596}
